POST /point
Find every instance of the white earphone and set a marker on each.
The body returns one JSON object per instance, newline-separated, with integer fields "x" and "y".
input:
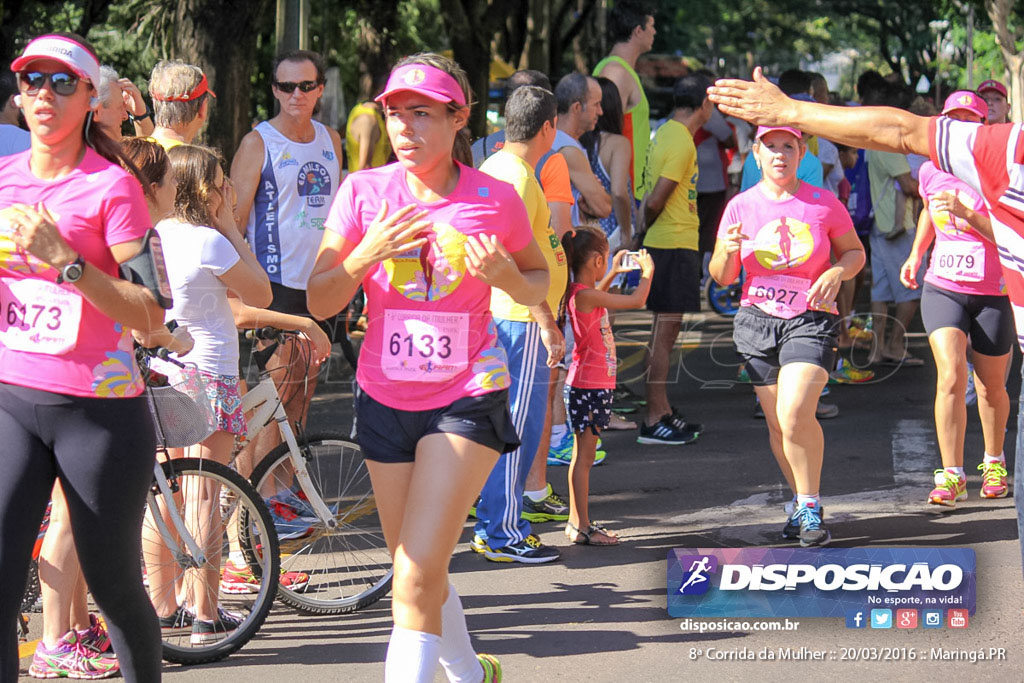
{"x": 17, "y": 101}
{"x": 94, "y": 103}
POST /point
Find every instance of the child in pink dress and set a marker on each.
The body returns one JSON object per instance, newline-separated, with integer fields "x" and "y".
{"x": 591, "y": 379}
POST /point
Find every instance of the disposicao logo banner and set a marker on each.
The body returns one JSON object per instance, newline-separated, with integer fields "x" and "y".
{"x": 816, "y": 582}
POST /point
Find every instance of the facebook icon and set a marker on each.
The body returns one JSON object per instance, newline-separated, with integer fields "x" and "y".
{"x": 856, "y": 619}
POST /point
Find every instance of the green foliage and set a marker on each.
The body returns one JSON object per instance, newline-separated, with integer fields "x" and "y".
{"x": 730, "y": 37}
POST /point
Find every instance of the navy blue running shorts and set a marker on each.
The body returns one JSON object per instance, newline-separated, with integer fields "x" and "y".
{"x": 390, "y": 435}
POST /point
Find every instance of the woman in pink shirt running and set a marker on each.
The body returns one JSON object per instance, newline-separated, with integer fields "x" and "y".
{"x": 964, "y": 306}
{"x": 428, "y": 237}
{"x": 781, "y": 231}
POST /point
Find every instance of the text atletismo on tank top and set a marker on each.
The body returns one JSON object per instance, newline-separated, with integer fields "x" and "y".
{"x": 381, "y": 150}
{"x": 51, "y": 337}
{"x": 430, "y": 338}
{"x": 789, "y": 244}
{"x": 962, "y": 260}
{"x": 593, "y": 357}
{"x": 296, "y": 187}
{"x": 636, "y": 123}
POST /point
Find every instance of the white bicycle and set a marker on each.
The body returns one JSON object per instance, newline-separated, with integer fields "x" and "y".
{"x": 321, "y": 483}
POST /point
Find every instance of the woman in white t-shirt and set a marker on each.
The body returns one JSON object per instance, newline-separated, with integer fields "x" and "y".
{"x": 206, "y": 257}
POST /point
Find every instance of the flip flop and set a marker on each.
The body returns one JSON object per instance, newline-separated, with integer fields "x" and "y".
{"x": 574, "y": 534}
{"x": 618, "y": 423}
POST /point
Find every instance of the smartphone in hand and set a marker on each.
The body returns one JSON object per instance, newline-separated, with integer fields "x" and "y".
{"x": 631, "y": 261}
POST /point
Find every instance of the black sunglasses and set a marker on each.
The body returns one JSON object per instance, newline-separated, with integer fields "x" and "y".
{"x": 289, "y": 87}
{"x": 61, "y": 82}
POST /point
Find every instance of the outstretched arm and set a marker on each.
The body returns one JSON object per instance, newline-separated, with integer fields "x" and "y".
{"x": 762, "y": 103}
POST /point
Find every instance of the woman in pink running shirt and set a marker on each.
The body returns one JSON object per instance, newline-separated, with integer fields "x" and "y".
{"x": 428, "y": 237}
{"x": 964, "y": 305}
{"x": 781, "y": 231}
{"x": 69, "y": 387}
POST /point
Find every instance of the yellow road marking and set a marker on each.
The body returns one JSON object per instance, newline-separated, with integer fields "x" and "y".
{"x": 27, "y": 649}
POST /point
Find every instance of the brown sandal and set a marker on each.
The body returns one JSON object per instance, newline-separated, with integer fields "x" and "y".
{"x": 574, "y": 534}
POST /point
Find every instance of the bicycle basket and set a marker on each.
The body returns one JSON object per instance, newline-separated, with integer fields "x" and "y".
{"x": 184, "y": 417}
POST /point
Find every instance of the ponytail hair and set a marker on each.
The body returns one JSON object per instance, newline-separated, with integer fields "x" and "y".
{"x": 579, "y": 244}
{"x": 461, "y": 150}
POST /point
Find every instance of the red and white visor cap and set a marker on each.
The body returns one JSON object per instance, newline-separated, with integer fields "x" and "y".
{"x": 61, "y": 49}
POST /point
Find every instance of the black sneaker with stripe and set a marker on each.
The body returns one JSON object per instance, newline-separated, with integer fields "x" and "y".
{"x": 665, "y": 432}
{"x": 680, "y": 423}
{"x": 177, "y": 623}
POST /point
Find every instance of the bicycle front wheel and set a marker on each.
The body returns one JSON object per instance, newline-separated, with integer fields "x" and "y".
{"x": 210, "y": 605}
{"x": 345, "y": 559}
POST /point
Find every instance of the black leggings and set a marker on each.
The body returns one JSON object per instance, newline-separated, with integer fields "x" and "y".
{"x": 102, "y": 451}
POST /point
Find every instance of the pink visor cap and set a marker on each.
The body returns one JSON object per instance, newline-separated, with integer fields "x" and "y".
{"x": 426, "y": 80}
{"x": 966, "y": 100}
{"x": 61, "y": 49}
{"x": 993, "y": 85}
{"x": 764, "y": 130}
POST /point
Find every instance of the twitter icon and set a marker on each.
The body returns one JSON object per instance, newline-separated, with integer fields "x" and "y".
{"x": 881, "y": 618}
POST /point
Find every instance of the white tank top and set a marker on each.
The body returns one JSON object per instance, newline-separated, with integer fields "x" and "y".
{"x": 296, "y": 188}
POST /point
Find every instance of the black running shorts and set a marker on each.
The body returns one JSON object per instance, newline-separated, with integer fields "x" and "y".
{"x": 675, "y": 285}
{"x": 986, "y": 320}
{"x": 390, "y": 435}
{"x": 767, "y": 343}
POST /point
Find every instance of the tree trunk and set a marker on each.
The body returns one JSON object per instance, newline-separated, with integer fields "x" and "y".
{"x": 219, "y": 36}
{"x": 538, "y": 27}
{"x": 1000, "y": 11}
{"x": 375, "y": 45}
{"x": 471, "y": 25}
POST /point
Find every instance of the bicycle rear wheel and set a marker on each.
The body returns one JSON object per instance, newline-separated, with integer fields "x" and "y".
{"x": 724, "y": 300}
{"x": 221, "y": 513}
{"x": 349, "y": 565}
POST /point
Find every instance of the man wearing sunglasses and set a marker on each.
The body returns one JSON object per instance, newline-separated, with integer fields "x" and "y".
{"x": 286, "y": 172}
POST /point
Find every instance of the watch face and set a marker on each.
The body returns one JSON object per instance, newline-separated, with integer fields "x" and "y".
{"x": 72, "y": 272}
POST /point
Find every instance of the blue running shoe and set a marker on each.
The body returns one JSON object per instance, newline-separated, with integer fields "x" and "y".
{"x": 560, "y": 454}
{"x": 812, "y": 530}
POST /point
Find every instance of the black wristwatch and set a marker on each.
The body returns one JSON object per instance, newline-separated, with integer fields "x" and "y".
{"x": 141, "y": 117}
{"x": 72, "y": 272}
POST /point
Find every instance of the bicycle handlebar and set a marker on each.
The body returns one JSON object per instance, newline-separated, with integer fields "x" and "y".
{"x": 268, "y": 333}
{"x": 163, "y": 353}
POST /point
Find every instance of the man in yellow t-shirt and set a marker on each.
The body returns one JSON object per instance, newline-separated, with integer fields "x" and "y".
{"x": 530, "y": 335}
{"x": 672, "y": 239}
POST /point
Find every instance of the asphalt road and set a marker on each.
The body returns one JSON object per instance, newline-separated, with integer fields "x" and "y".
{"x": 599, "y": 614}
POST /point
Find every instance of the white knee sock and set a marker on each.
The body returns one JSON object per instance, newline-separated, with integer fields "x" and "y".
{"x": 457, "y": 655}
{"x": 412, "y": 656}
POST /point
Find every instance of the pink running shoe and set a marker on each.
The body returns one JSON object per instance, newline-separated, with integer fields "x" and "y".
{"x": 70, "y": 659}
{"x": 993, "y": 480}
{"x": 95, "y": 637}
{"x": 949, "y": 488}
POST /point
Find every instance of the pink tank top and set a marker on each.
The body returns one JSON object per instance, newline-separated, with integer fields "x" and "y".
{"x": 593, "y": 356}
